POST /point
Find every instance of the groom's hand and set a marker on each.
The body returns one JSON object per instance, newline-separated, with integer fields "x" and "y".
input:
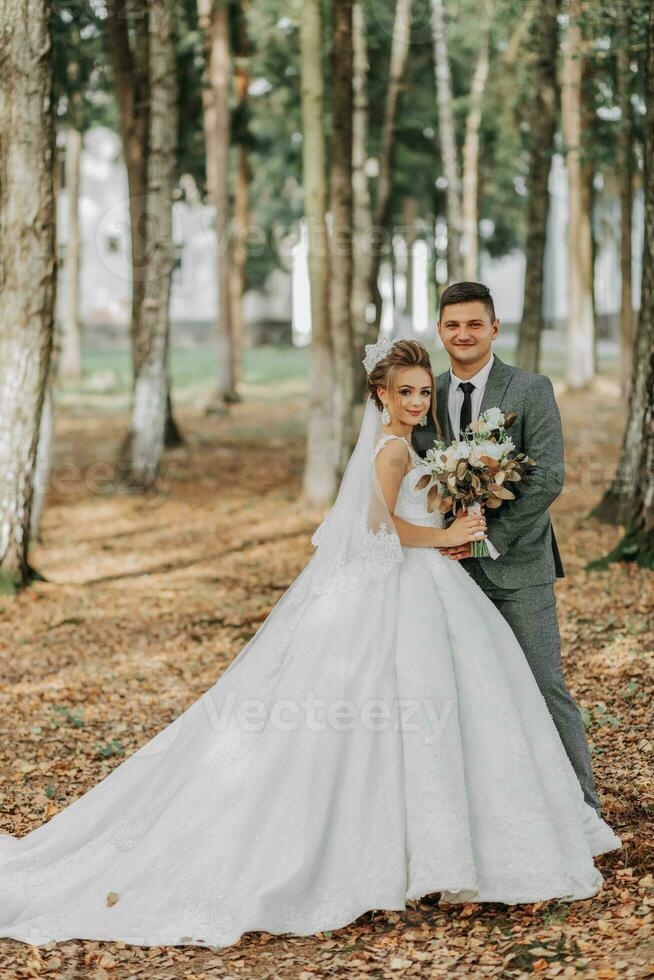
{"x": 458, "y": 552}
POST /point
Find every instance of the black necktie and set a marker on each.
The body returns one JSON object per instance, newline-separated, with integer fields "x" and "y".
{"x": 466, "y": 409}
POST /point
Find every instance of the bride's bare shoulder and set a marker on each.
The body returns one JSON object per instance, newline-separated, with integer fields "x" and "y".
{"x": 392, "y": 452}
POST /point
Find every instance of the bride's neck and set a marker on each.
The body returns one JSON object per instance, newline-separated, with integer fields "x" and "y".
{"x": 398, "y": 429}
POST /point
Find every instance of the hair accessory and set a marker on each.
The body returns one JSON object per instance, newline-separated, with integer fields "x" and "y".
{"x": 376, "y": 353}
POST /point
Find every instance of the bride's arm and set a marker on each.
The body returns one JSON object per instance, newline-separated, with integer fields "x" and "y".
{"x": 391, "y": 466}
{"x": 467, "y": 527}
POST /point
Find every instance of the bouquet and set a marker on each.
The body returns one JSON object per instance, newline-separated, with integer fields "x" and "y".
{"x": 475, "y": 469}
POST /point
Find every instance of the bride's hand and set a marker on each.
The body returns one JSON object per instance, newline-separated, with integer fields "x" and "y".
{"x": 466, "y": 527}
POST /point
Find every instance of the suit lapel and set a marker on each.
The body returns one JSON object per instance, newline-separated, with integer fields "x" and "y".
{"x": 442, "y": 391}
{"x": 498, "y": 382}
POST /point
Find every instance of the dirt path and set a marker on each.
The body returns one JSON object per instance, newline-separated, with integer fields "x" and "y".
{"x": 147, "y": 600}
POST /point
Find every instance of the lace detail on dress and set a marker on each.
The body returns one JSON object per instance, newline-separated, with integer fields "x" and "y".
{"x": 376, "y": 554}
{"x": 358, "y": 547}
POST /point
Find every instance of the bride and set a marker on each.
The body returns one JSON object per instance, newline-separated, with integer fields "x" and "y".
{"x": 380, "y": 738}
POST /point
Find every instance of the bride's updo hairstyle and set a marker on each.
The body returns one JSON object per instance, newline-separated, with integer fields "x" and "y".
{"x": 403, "y": 354}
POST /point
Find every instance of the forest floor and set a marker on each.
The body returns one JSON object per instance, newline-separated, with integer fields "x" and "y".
{"x": 147, "y": 599}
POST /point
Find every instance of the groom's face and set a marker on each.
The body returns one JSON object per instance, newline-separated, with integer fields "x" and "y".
{"x": 467, "y": 331}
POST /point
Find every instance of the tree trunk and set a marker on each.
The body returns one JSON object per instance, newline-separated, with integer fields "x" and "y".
{"x": 361, "y": 213}
{"x": 130, "y": 74}
{"x": 588, "y": 209}
{"x": 396, "y": 72}
{"x": 542, "y": 115}
{"x": 130, "y": 69}
{"x": 70, "y": 361}
{"x": 588, "y": 195}
{"x": 581, "y": 326}
{"x": 146, "y": 438}
{"x": 630, "y": 498}
{"x": 239, "y": 262}
{"x": 241, "y": 198}
{"x": 43, "y": 462}
{"x": 215, "y": 24}
{"x": 625, "y": 171}
{"x": 470, "y": 220}
{"x": 27, "y": 267}
{"x": 341, "y": 245}
{"x": 172, "y": 433}
{"x": 320, "y": 470}
{"x": 448, "y": 143}
{"x": 410, "y": 216}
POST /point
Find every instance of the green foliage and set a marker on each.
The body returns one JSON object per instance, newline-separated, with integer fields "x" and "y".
{"x": 82, "y": 88}
{"x": 605, "y": 34}
{"x": 275, "y": 130}
{"x": 265, "y": 41}
{"x": 190, "y": 64}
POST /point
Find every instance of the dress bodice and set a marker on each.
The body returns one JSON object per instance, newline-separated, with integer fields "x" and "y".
{"x": 411, "y": 504}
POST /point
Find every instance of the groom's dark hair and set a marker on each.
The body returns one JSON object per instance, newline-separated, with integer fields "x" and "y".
{"x": 467, "y": 292}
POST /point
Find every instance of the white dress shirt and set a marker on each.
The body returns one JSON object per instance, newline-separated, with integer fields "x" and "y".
{"x": 455, "y": 404}
{"x": 455, "y": 395}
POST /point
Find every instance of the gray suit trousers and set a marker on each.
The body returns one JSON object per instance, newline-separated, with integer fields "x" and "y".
{"x": 531, "y": 614}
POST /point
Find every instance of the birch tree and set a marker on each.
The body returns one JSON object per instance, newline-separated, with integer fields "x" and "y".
{"x": 410, "y": 217}
{"x": 448, "y": 143}
{"x": 320, "y": 468}
{"x": 70, "y": 362}
{"x": 630, "y": 498}
{"x": 43, "y": 460}
{"x": 361, "y": 213}
{"x": 129, "y": 62}
{"x": 147, "y": 429}
{"x": 70, "y": 358}
{"x": 242, "y": 193}
{"x": 581, "y": 325}
{"x": 127, "y": 33}
{"x": 542, "y": 118}
{"x": 396, "y": 73}
{"x": 215, "y": 25}
{"x": 27, "y": 267}
{"x": 341, "y": 243}
{"x": 470, "y": 218}
{"x": 626, "y": 177}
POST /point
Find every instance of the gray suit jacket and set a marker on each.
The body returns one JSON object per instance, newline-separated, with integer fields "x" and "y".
{"x": 520, "y": 529}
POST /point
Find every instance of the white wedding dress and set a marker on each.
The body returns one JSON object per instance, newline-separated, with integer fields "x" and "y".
{"x": 403, "y": 749}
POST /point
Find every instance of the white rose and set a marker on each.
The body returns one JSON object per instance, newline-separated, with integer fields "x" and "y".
{"x": 454, "y": 453}
{"x": 486, "y": 448}
{"x": 493, "y": 418}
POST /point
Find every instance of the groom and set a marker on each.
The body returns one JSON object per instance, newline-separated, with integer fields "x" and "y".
{"x": 523, "y": 558}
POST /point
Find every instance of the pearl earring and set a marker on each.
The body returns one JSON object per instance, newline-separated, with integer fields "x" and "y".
{"x": 385, "y": 416}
